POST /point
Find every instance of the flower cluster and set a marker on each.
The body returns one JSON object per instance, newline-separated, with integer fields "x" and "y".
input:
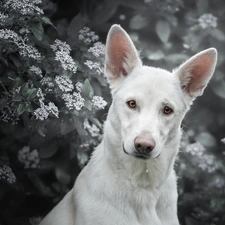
{"x": 207, "y": 20}
{"x": 92, "y": 129}
{"x": 48, "y": 84}
{"x": 98, "y": 49}
{"x": 94, "y": 65}
{"x": 73, "y": 101}
{"x": 62, "y": 51}
{"x": 98, "y": 102}
{"x": 64, "y": 83}
{"x": 61, "y": 46}
{"x": 9, "y": 113}
{"x": 24, "y": 7}
{"x": 195, "y": 149}
{"x": 207, "y": 163}
{"x": 3, "y": 18}
{"x": 24, "y": 49}
{"x": 87, "y": 36}
{"x": 36, "y": 70}
{"x": 24, "y": 31}
{"x": 30, "y": 159}
{"x": 7, "y": 174}
{"x": 79, "y": 86}
{"x": 44, "y": 111}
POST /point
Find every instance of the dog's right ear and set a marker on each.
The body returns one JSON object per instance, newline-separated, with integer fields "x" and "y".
{"x": 121, "y": 55}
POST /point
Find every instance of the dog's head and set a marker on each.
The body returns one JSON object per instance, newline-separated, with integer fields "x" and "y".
{"x": 150, "y": 103}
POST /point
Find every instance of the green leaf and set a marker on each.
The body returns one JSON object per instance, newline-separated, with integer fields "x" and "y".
{"x": 163, "y": 30}
{"x": 32, "y": 93}
{"x": 96, "y": 122}
{"x": 21, "y": 109}
{"x": 38, "y": 30}
{"x": 47, "y": 21}
{"x": 15, "y": 60}
{"x": 48, "y": 150}
{"x": 74, "y": 112}
{"x": 87, "y": 90}
{"x": 104, "y": 11}
{"x": 24, "y": 88}
{"x": 88, "y": 105}
{"x": 62, "y": 176}
{"x": 78, "y": 124}
{"x": 138, "y": 22}
{"x": 217, "y": 34}
{"x": 75, "y": 26}
{"x": 42, "y": 131}
{"x": 3, "y": 103}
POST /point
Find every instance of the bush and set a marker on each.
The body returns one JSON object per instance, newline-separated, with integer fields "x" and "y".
{"x": 50, "y": 108}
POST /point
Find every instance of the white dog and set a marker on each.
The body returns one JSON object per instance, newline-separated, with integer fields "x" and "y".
{"x": 130, "y": 178}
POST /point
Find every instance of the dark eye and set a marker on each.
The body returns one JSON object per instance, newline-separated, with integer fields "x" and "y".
{"x": 131, "y": 104}
{"x": 167, "y": 110}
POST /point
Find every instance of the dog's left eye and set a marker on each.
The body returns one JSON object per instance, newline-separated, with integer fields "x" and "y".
{"x": 167, "y": 110}
{"x": 131, "y": 104}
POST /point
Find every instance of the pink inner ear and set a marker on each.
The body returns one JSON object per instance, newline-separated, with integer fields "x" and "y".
{"x": 118, "y": 51}
{"x": 199, "y": 71}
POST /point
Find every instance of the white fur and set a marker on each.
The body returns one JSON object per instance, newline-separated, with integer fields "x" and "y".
{"x": 117, "y": 188}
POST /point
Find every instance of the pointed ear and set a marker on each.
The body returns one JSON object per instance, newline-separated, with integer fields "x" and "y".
{"x": 195, "y": 73}
{"x": 121, "y": 54}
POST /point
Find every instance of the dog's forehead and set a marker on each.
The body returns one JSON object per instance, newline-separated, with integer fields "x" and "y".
{"x": 152, "y": 80}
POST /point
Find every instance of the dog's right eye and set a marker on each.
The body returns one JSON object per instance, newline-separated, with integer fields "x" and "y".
{"x": 131, "y": 104}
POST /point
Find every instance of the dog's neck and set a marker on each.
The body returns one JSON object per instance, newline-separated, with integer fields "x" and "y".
{"x": 138, "y": 171}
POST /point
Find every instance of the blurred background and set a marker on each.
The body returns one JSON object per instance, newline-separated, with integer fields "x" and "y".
{"x": 55, "y": 98}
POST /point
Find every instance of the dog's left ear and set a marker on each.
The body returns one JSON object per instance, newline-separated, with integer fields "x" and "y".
{"x": 121, "y": 55}
{"x": 195, "y": 73}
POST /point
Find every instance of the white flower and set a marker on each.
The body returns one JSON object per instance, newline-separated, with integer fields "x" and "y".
{"x": 73, "y": 101}
{"x": 223, "y": 140}
{"x": 64, "y": 83}
{"x": 7, "y": 174}
{"x": 53, "y": 109}
{"x": 60, "y": 46}
{"x": 207, "y": 20}
{"x": 47, "y": 82}
{"x": 3, "y": 18}
{"x": 29, "y": 51}
{"x": 40, "y": 94}
{"x": 30, "y": 159}
{"x": 92, "y": 129}
{"x": 195, "y": 149}
{"x": 41, "y": 113}
{"x": 87, "y": 35}
{"x": 94, "y": 65}
{"x": 66, "y": 61}
{"x": 62, "y": 51}
{"x": 36, "y": 70}
{"x": 24, "y": 49}
{"x": 99, "y": 102}
{"x": 207, "y": 163}
{"x": 98, "y": 49}
{"x": 24, "y": 31}
{"x": 79, "y": 86}
{"x": 25, "y": 7}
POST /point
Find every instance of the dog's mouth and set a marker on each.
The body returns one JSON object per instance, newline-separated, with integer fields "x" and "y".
{"x": 139, "y": 155}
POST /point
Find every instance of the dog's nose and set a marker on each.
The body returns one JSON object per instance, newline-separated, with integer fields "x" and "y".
{"x": 144, "y": 144}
